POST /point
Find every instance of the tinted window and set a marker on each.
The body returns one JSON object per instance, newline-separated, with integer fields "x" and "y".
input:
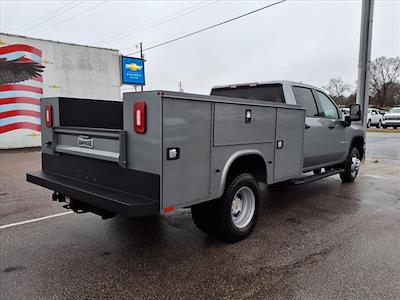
{"x": 270, "y": 92}
{"x": 304, "y": 97}
{"x": 326, "y": 106}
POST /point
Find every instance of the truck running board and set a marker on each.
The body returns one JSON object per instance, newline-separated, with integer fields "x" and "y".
{"x": 311, "y": 178}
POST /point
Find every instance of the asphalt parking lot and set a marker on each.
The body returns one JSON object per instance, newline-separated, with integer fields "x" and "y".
{"x": 324, "y": 240}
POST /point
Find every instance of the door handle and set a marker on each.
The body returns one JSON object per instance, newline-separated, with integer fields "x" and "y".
{"x": 332, "y": 126}
{"x": 306, "y": 126}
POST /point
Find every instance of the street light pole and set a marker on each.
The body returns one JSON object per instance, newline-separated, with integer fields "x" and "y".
{"x": 364, "y": 58}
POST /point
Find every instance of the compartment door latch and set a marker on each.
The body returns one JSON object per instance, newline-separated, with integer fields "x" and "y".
{"x": 247, "y": 117}
{"x": 173, "y": 153}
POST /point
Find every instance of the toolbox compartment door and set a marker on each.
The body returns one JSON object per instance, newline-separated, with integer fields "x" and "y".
{"x": 289, "y": 143}
{"x": 187, "y": 128}
{"x": 104, "y": 144}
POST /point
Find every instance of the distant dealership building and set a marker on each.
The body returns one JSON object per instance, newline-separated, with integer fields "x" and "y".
{"x": 70, "y": 70}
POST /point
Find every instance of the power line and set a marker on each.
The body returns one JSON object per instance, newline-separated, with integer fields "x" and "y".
{"x": 209, "y": 27}
{"x": 50, "y": 16}
{"x": 73, "y": 17}
{"x": 160, "y": 21}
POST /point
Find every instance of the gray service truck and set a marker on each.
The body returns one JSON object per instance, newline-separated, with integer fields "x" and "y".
{"x": 157, "y": 151}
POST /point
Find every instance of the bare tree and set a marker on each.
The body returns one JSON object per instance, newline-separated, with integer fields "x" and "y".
{"x": 385, "y": 74}
{"x": 337, "y": 89}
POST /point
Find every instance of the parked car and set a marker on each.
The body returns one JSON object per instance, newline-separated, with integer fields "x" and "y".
{"x": 374, "y": 118}
{"x": 345, "y": 111}
{"x": 392, "y": 118}
{"x": 158, "y": 151}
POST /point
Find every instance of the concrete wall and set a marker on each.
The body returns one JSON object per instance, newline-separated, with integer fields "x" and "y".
{"x": 70, "y": 71}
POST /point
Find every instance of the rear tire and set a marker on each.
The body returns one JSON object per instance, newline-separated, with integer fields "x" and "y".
{"x": 394, "y": 127}
{"x": 351, "y": 166}
{"x": 379, "y": 125}
{"x": 204, "y": 216}
{"x": 384, "y": 126}
{"x": 237, "y": 211}
{"x": 369, "y": 124}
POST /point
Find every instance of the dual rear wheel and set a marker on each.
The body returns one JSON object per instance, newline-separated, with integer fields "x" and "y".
{"x": 234, "y": 215}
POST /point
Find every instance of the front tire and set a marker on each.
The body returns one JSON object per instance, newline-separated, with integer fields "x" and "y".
{"x": 351, "y": 166}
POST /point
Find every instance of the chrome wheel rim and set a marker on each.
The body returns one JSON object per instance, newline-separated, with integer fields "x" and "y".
{"x": 243, "y": 207}
{"x": 355, "y": 164}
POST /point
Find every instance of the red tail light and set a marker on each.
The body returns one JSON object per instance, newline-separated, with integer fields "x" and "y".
{"x": 139, "y": 117}
{"x": 49, "y": 115}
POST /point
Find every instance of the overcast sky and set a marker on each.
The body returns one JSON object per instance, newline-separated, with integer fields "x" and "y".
{"x": 309, "y": 41}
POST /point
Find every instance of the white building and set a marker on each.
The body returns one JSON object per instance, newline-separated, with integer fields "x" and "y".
{"x": 74, "y": 71}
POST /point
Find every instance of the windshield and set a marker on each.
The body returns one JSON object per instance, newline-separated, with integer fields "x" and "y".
{"x": 395, "y": 110}
{"x": 270, "y": 92}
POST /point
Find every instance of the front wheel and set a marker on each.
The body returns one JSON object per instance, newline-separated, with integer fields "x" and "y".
{"x": 384, "y": 126}
{"x": 351, "y": 166}
{"x": 238, "y": 208}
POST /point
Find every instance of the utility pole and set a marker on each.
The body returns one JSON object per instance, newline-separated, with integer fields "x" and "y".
{"x": 180, "y": 87}
{"x": 141, "y": 56}
{"x": 364, "y": 58}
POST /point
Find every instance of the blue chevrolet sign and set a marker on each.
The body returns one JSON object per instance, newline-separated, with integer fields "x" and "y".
{"x": 132, "y": 70}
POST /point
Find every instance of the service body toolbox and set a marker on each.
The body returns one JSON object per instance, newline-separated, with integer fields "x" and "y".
{"x": 158, "y": 151}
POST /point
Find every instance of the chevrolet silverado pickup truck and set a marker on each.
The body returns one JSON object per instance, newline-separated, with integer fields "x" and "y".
{"x": 158, "y": 151}
{"x": 392, "y": 118}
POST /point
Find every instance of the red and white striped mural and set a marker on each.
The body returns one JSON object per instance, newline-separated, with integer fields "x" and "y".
{"x": 68, "y": 70}
{"x": 19, "y": 102}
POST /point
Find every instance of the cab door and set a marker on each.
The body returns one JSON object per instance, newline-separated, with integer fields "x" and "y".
{"x": 315, "y": 129}
{"x": 336, "y": 143}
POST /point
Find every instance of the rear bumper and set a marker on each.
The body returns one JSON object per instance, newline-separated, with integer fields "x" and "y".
{"x": 97, "y": 196}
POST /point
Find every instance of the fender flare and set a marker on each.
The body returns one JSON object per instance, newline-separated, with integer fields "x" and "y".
{"x": 352, "y": 143}
{"x": 231, "y": 160}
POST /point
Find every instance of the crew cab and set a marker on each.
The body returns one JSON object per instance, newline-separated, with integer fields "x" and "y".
{"x": 158, "y": 151}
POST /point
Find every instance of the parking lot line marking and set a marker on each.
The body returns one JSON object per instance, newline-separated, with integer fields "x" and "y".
{"x": 377, "y": 176}
{"x": 35, "y": 220}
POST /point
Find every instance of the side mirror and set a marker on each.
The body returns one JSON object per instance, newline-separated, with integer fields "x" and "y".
{"x": 355, "y": 112}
